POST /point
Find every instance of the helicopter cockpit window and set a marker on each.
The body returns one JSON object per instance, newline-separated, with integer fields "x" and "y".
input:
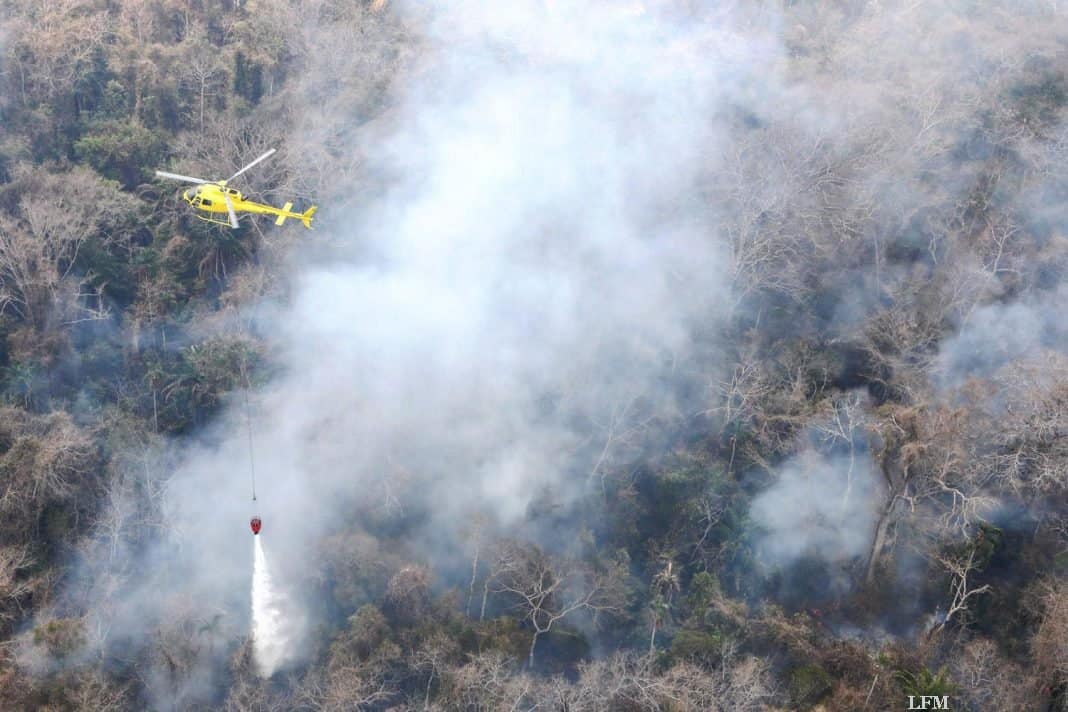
{"x": 206, "y": 203}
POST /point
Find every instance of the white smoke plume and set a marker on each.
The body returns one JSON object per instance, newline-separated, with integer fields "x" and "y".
{"x": 821, "y": 506}
{"x": 999, "y": 334}
{"x": 534, "y": 254}
{"x": 534, "y": 263}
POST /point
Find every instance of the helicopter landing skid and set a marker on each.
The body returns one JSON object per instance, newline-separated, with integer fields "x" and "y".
{"x": 215, "y": 222}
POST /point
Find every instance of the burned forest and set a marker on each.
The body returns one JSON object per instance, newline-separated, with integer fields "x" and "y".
{"x": 643, "y": 355}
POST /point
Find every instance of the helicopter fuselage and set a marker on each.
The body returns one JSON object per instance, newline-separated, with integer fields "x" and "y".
{"x": 208, "y": 198}
{"x": 216, "y": 198}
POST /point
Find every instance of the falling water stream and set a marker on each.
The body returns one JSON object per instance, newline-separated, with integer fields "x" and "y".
{"x": 268, "y": 640}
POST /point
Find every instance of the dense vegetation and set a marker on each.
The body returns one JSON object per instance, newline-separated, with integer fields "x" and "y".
{"x": 898, "y": 302}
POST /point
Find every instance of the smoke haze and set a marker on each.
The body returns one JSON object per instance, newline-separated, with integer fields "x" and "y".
{"x": 532, "y": 266}
{"x": 821, "y": 507}
{"x": 537, "y": 255}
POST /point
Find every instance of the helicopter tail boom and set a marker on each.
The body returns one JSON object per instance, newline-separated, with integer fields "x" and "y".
{"x": 306, "y": 218}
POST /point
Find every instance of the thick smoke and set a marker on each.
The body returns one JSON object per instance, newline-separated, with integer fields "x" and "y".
{"x": 534, "y": 263}
{"x": 821, "y": 507}
{"x": 999, "y": 334}
{"x": 538, "y": 252}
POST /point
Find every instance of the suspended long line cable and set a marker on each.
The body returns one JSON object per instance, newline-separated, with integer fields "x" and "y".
{"x": 248, "y": 423}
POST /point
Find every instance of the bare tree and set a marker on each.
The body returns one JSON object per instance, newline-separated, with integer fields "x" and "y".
{"x": 621, "y": 681}
{"x": 176, "y": 648}
{"x": 408, "y": 597}
{"x": 489, "y": 681}
{"x": 629, "y": 681}
{"x": 433, "y": 657}
{"x": 986, "y": 679}
{"x": 744, "y": 684}
{"x": 617, "y": 430}
{"x": 46, "y": 461}
{"x": 250, "y": 694}
{"x": 922, "y": 453}
{"x": 53, "y": 46}
{"x": 477, "y": 524}
{"x": 91, "y": 690}
{"x": 960, "y": 566}
{"x": 841, "y": 427}
{"x": 738, "y": 398}
{"x": 1050, "y": 642}
{"x": 14, "y": 560}
{"x": 203, "y": 70}
{"x": 343, "y": 688}
{"x": 546, "y": 592}
{"x": 59, "y": 213}
{"x": 1024, "y": 444}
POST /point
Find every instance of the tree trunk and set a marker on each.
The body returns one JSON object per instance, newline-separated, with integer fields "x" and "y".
{"x": 485, "y": 595}
{"x": 533, "y": 642}
{"x": 471, "y": 588}
{"x": 880, "y": 538}
{"x": 897, "y": 482}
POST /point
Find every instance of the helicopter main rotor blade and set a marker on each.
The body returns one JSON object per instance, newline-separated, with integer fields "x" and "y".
{"x": 184, "y": 179}
{"x": 261, "y": 158}
{"x": 230, "y": 209}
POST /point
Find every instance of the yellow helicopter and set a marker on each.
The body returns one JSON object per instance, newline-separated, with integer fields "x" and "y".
{"x": 215, "y": 197}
